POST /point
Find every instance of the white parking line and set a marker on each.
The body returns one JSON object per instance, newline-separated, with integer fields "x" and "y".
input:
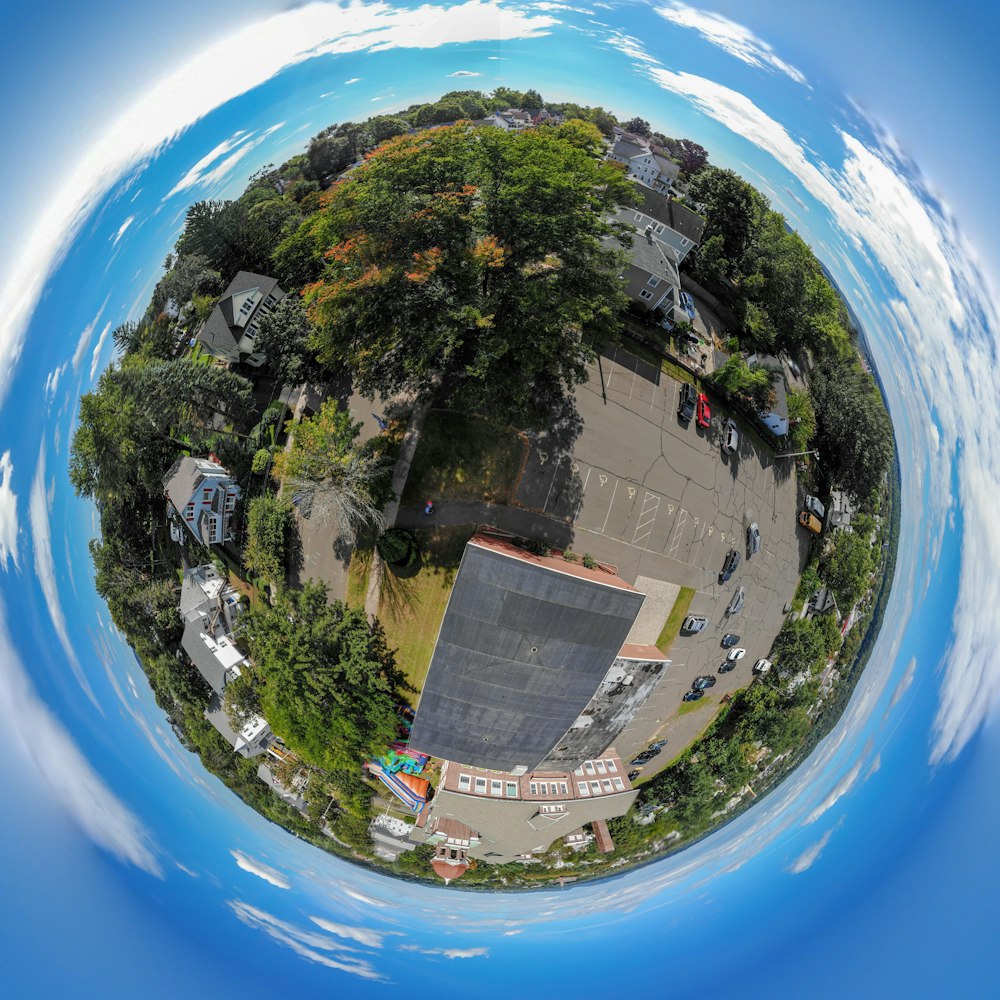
{"x": 682, "y": 516}
{"x": 647, "y": 516}
{"x": 610, "y": 505}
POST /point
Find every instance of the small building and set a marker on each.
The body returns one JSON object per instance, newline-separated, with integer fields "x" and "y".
{"x": 205, "y": 495}
{"x": 840, "y": 511}
{"x": 823, "y": 602}
{"x": 251, "y": 741}
{"x": 644, "y": 164}
{"x": 651, "y": 277}
{"x": 230, "y": 329}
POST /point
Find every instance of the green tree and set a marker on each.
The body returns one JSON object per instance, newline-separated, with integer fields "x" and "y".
{"x": 582, "y": 134}
{"x": 849, "y": 567}
{"x": 734, "y": 211}
{"x": 855, "y": 432}
{"x": 343, "y": 480}
{"x": 270, "y": 521}
{"x": 801, "y": 419}
{"x": 473, "y": 256}
{"x": 639, "y": 126}
{"x": 329, "y": 154}
{"x": 753, "y": 383}
{"x": 187, "y": 275}
{"x": 800, "y": 645}
{"x": 241, "y": 699}
{"x": 330, "y": 681}
{"x": 284, "y": 341}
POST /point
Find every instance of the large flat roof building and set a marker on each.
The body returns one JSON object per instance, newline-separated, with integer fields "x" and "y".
{"x": 525, "y": 642}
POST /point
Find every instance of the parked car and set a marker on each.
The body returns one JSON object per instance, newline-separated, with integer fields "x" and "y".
{"x": 762, "y": 666}
{"x": 732, "y": 439}
{"x": 702, "y": 682}
{"x": 810, "y": 522}
{"x": 813, "y": 505}
{"x": 726, "y": 666}
{"x": 703, "y": 411}
{"x": 646, "y": 756}
{"x": 632, "y": 775}
{"x": 658, "y": 745}
{"x": 736, "y": 654}
{"x": 736, "y": 604}
{"x": 753, "y": 539}
{"x": 694, "y": 695}
{"x": 685, "y": 408}
{"x": 687, "y": 304}
{"x": 730, "y": 639}
{"x": 730, "y": 565}
{"x": 694, "y": 623}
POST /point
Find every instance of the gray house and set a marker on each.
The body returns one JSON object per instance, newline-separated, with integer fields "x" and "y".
{"x": 651, "y": 277}
{"x": 229, "y": 331}
{"x": 669, "y": 222}
{"x": 205, "y": 495}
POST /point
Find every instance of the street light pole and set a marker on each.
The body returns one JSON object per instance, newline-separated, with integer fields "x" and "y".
{"x": 795, "y": 454}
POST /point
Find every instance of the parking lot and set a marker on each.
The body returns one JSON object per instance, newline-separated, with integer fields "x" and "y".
{"x": 661, "y": 500}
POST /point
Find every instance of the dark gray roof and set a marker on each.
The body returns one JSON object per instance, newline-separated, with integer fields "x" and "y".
{"x": 182, "y": 480}
{"x": 651, "y": 256}
{"x": 521, "y": 651}
{"x": 219, "y": 333}
{"x": 216, "y": 715}
{"x": 671, "y": 213}
{"x": 202, "y": 657}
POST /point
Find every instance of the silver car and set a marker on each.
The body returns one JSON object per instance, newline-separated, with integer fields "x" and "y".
{"x": 694, "y": 623}
{"x": 736, "y": 604}
{"x": 753, "y": 539}
{"x": 732, "y": 439}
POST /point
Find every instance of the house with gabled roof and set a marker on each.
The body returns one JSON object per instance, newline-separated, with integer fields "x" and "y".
{"x": 666, "y": 219}
{"x": 644, "y": 164}
{"x": 651, "y": 277}
{"x": 205, "y": 495}
{"x": 230, "y": 330}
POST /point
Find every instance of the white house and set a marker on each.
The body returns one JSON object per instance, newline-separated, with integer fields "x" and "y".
{"x": 205, "y": 495}
{"x": 230, "y": 329}
{"x": 643, "y": 163}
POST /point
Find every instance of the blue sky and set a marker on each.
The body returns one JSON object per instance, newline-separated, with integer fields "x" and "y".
{"x": 130, "y": 866}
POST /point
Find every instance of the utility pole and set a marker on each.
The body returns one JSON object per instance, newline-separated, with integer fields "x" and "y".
{"x": 795, "y": 454}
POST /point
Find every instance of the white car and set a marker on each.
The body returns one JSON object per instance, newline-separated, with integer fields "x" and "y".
{"x": 732, "y": 439}
{"x": 736, "y": 654}
{"x": 762, "y": 666}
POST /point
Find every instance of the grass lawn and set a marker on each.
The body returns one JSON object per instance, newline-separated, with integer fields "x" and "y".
{"x": 673, "y": 623}
{"x": 687, "y": 707}
{"x": 462, "y": 457}
{"x": 411, "y": 608}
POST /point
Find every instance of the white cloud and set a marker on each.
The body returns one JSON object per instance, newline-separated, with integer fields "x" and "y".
{"x": 217, "y": 74}
{"x": 194, "y": 175}
{"x": 261, "y": 870}
{"x": 497, "y": 58}
{"x": 363, "y": 935}
{"x": 9, "y": 528}
{"x": 96, "y": 358}
{"x": 52, "y": 380}
{"x": 39, "y": 501}
{"x": 81, "y": 344}
{"x": 903, "y": 685}
{"x": 306, "y": 944}
{"x": 31, "y": 731}
{"x": 329, "y": 93}
{"x": 353, "y": 79}
{"x": 449, "y": 952}
{"x": 811, "y": 854}
{"x": 729, "y": 36}
{"x": 464, "y": 72}
{"x": 121, "y": 230}
{"x": 846, "y": 783}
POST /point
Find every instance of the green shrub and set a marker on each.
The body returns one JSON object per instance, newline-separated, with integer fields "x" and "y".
{"x": 269, "y": 521}
{"x": 537, "y": 547}
{"x": 589, "y": 561}
{"x": 570, "y": 556}
{"x": 261, "y": 459}
{"x": 397, "y": 547}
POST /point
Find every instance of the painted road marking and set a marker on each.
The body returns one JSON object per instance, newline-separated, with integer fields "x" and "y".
{"x": 604, "y": 479}
{"x": 610, "y": 505}
{"x": 555, "y": 473}
{"x": 647, "y": 515}
{"x": 678, "y": 531}
{"x": 542, "y": 457}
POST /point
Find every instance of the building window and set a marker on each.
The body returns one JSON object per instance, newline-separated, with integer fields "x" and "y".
{"x": 496, "y": 787}
{"x": 480, "y": 786}
{"x": 589, "y": 767}
{"x": 582, "y": 788}
{"x": 533, "y": 788}
{"x": 607, "y": 785}
{"x": 653, "y": 281}
{"x": 595, "y": 787}
{"x": 619, "y": 784}
{"x": 512, "y": 789}
{"x": 563, "y": 790}
{"x": 612, "y": 766}
{"x": 579, "y": 770}
{"x": 464, "y": 782}
{"x": 543, "y": 788}
{"x": 599, "y": 764}
{"x": 644, "y": 294}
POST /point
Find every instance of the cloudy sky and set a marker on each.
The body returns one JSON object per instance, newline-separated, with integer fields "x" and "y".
{"x": 880, "y": 160}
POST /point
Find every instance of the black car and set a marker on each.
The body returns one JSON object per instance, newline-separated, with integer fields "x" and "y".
{"x": 632, "y": 775}
{"x": 694, "y": 695}
{"x": 730, "y": 565}
{"x": 645, "y": 757}
{"x": 729, "y": 640}
{"x": 685, "y": 409}
{"x": 728, "y": 665}
{"x": 658, "y": 745}
{"x": 702, "y": 682}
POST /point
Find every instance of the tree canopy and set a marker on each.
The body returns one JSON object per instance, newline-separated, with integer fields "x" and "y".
{"x": 470, "y": 255}
{"x": 329, "y": 682}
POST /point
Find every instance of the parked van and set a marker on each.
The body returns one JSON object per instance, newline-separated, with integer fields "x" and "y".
{"x": 813, "y": 505}
{"x": 810, "y": 522}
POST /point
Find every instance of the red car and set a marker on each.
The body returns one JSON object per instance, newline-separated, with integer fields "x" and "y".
{"x": 704, "y": 412}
